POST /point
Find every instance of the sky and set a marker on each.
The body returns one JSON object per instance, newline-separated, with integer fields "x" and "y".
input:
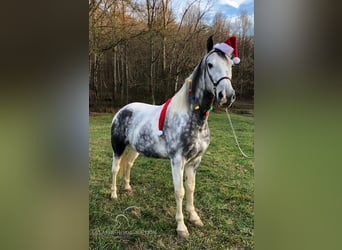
{"x": 229, "y": 8}
{"x": 234, "y": 7}
{"x": 235, "y": 3}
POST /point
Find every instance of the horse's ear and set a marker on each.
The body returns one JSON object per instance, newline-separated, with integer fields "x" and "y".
{"x": 210, "y": 43}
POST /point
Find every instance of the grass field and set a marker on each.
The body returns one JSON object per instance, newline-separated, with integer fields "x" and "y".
{"x": 145, "y": 218}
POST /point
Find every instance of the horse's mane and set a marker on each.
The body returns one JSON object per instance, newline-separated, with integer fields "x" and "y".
{"x": 196, "y": 75}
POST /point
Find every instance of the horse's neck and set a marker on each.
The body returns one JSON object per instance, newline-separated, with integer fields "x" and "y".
{"x": 193, "y": 95}
{"x": 184, "y": 101}
{"x": 180, "y": 101}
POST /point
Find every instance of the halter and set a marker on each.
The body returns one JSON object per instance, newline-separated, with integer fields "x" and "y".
{"x": 210, "y": 77}
{"x": 192, "y": 97}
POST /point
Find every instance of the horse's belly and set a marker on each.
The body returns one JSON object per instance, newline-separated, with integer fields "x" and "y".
{"x": 151, "y": 151}
{"x": 149, "y": 145}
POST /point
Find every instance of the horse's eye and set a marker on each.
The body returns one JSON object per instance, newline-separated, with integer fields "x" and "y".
{"x": 210, "y": 65}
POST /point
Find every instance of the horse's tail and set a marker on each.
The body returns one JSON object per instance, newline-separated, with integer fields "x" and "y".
{"x": 118, "y": 132}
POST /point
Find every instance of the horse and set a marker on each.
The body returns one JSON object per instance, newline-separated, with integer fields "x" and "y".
{"x": 185, "y": 136}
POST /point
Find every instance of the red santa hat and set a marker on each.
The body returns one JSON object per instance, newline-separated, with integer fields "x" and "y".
{"x": 230, "y": 48}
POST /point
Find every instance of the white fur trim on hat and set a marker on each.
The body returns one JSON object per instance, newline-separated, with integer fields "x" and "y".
{"x": 159, "y": 132}
{"x": 228, "y": 50}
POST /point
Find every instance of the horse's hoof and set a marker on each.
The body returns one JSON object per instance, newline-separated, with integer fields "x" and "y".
{"x": 197, "y": 223}
{"x": 183, "y": 234}
{"x": 128, "y": 189}
{"x": 114, "y": 196}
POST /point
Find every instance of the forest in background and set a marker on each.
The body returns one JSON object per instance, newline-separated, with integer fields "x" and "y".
{"x": 142, "y": 50}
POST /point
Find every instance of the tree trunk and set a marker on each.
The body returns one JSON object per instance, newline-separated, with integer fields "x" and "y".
{"x": 150, "y": 18}
{"x": 165, "y": 15}
{"x": 152, "y": 69}
{"x": 114, "y": 75}
{"x": 123, "y": 80}
{"x": 126, "y": 69}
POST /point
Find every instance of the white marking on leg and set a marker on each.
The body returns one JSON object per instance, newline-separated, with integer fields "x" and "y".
{"x": 190, "y": 188}
{"x": 115, "y": 170}
{"x": 131, "y": 157}
{"x": 177, "y": 175}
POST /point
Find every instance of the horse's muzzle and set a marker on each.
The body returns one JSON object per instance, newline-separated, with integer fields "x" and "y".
{"x": 224, "y": 99}
{"x": 231, "y": 100}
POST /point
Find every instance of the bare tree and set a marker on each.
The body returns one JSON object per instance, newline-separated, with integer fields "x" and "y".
{"x": 242, "y": 28}
{"x": 151, "y": 11}
{"x": 140, "y": 51}
{"x": 165, "y": 23}
{"x": 221, "y": 27}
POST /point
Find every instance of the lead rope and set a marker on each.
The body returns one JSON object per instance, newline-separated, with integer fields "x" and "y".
{"x": 236, "y": 140}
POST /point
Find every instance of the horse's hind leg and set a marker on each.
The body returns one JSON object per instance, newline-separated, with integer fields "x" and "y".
{"x": 117, "y": 161}
{"x": 130, "y": 158}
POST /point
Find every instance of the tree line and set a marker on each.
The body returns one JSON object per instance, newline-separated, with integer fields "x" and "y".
{"x": 144, "y": 50}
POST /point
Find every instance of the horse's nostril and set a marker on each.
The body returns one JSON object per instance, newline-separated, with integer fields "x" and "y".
{"x": 222, "y": 98}
{"x": 233, "y": 98}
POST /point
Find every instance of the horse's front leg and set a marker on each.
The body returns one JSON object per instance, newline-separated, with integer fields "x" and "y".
{"x": 190, "y": 174}
{"x": 177, "y": 165}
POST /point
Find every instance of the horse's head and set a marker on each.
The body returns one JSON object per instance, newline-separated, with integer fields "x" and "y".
{"x": 219, "y": 73}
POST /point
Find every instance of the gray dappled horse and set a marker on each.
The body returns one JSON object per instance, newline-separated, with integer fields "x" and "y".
{"x": 185, "y": 135}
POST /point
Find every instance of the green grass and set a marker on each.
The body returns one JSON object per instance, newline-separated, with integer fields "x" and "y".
{"x": 223, "y": 196}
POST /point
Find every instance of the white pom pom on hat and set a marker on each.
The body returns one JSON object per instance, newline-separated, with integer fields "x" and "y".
{"x": 236, "y": 60}
{"x": 230, "y": 48}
